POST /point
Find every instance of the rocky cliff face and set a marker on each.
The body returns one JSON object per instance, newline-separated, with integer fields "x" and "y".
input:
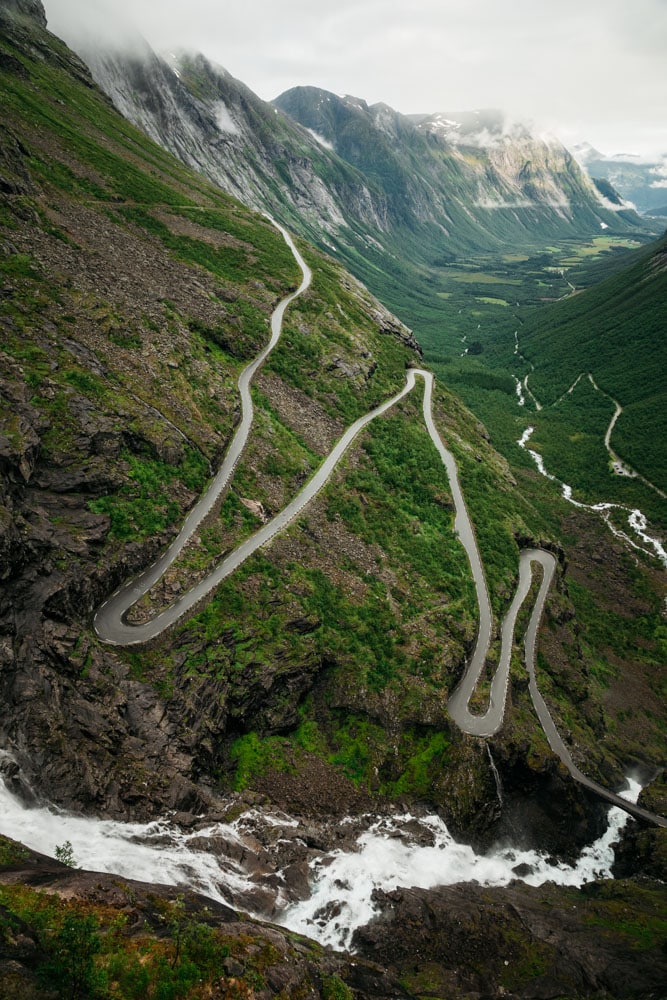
{"x": 436, "y": 173}
{"x": 32, "y": 9}
{"x": 217, "y": 125}
{"x": 532, "y": 943}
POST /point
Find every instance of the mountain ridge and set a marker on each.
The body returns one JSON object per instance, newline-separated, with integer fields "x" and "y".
{"x": 215, "y": 122}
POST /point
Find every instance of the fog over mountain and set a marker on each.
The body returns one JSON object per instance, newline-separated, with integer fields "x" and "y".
{"x": 589, "y": 72}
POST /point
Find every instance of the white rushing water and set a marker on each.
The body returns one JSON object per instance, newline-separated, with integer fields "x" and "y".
{"x": 147, "y": 852}
{"x": 519, "y": 392}
{"x": 344, "y": 882}
{"x": 636, "y": 520}
{"x": 387, "y": 856}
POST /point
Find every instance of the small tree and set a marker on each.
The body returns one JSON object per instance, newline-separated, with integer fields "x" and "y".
{"x": 65, "y": 854}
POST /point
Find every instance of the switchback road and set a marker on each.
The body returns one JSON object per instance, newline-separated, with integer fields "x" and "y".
{"x": 111, "y": 626}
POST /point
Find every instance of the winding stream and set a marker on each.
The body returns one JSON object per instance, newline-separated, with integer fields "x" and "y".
{"x": 635, "y": 519}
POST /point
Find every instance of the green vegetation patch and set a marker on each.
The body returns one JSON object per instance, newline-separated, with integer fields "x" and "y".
{"x": 629, "y": 910}
{"x": 145, "y": 506}
{"x": 398, "y": 497}
{"x": 489, "y": 300}
{"x": 11, "y": 852}
{"x": 84, "y": 950}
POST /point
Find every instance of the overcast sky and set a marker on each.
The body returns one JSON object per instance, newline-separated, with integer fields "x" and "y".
{"x": 592, "y": 70}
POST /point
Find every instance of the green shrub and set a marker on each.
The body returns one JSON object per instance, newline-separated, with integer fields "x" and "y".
{"x": 334, "y": 988}
{"x": 71, "y": 949}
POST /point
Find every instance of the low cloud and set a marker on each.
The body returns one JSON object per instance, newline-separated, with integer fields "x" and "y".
{"x": 320, "y": 138}
{"x": 87, "y": 25}
{"x": 594, "y": 68}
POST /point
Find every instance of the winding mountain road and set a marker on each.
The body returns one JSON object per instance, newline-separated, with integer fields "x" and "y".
{"x": 111, "y": 626}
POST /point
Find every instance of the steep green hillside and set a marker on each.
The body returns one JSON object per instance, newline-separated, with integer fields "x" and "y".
{"x": 615, "y": 330}
{"x": 133, "y": 293}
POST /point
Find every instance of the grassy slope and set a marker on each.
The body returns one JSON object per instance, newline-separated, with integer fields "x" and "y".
{"x": 341, "y": 627}
{"x": 616, "y": 331}
{"x": 132, "y": 283}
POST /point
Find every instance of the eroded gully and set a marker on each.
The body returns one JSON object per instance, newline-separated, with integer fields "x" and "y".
{"x": 111, "y": 626}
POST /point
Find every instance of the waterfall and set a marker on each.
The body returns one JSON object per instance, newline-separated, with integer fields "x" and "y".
{"x": 499, "y": 786}
{"x": 220, "y": 860}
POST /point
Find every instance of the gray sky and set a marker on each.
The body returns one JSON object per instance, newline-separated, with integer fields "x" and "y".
{"x": 592, "y": 70}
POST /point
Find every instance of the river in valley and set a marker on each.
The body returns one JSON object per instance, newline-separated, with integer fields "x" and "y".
{"x": 639, "y": 536}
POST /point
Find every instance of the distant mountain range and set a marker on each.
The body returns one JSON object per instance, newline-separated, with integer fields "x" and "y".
{"x": 639, "y": 180}
{"x": 401, "y": 200}
{"x": 363, "y": 181}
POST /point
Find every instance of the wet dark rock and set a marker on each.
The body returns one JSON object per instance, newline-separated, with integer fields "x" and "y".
{"x": 233, "y": 967}
{"x": 643, "y": 849}
{"x": 522, "y": 942}
{"x": 543, "y": 808}
{"x": 297, "y": 880}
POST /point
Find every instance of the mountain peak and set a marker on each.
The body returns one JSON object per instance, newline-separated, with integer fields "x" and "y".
{"x": 482, "y": 127}
{"x": 355, "y": 102}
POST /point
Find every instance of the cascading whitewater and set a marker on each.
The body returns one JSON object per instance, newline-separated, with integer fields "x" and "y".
{"x": 636, "y": 520}
{"x": 397, "y": 851}
{"x": 341, "y": 900}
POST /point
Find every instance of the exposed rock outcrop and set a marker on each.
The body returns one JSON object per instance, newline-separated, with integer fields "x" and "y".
{"x": 261, "y": 961}
{"x": 28, "y": 8}
{"x": 520, "y": 942}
